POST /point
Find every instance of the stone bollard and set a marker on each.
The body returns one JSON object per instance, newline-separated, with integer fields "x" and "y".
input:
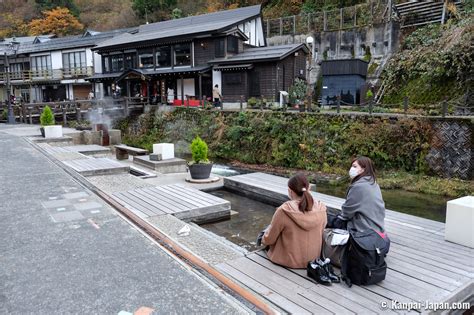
{"x": 165, "y": 149}
{"x": 115, "y": 136}
{"x": 460, "y": 221}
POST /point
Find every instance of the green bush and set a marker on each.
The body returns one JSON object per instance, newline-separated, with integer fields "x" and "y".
{"x": 47, "y": 117}
{"x": 4, "y": 115}
{"x": 252, "y": 102}
{"x": 199, "y": 150}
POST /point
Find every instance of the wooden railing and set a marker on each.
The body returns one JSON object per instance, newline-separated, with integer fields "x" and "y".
{"x": 77, "y": 110}
{"x": 47, "y": 74}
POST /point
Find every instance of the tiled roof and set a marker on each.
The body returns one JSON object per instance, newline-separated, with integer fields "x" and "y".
{"x": 70, "y": 42}
{"x": 261, "y": 53}
{"x": 185, "y": 26}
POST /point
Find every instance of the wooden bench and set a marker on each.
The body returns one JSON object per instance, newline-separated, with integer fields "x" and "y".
{"x": 122, "y": 151}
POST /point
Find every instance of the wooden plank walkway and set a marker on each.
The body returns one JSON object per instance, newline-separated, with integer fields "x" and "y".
{"x": 97, "y": 166}
{"x": 188, "y": 204}
{"x": 422, "y": 266}
{"x": 88, "y": 149}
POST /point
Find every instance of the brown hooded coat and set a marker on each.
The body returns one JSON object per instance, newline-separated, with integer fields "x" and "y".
{"x": 295, "y": 237}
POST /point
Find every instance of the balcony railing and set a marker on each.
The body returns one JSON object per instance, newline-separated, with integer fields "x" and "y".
{"x": 47, "y": 74}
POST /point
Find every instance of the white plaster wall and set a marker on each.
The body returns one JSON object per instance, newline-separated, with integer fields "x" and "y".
{"x": 89, "y": 57}
{"x": 260, "y": 40}
{"x": 56, "y": 60}
{"x": 188, "y": 88}
{"x": 254, "y": 30}
{"x": 217, "y": 79}
{"x": 97, "y": 63}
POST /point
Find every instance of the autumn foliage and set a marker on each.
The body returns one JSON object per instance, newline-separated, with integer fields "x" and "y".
{"x": 57, "y": 21}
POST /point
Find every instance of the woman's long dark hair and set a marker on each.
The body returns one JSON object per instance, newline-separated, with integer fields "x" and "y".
{"x": 368, "y": 166}
{"x": 300, "y": 185}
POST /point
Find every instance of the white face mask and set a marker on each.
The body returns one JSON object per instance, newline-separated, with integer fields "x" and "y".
{"x": 353, "y": 172}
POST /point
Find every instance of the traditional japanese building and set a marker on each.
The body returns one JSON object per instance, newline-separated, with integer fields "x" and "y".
{"x": 184, "y": 58}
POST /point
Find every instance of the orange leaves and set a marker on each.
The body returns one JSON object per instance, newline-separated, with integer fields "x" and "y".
{"x": 57, "y": 21}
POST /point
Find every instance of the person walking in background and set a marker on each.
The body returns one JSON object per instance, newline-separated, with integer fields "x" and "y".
{"x": 216, "y": 95}
{"x": 295, "y": 234}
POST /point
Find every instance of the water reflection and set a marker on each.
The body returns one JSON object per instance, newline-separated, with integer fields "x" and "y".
{"x": 243, "y": 227}
{"x": 421, "y": 205}
{"x": 253, "y": 216}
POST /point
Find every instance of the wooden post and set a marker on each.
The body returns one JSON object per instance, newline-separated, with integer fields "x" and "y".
{"x": 78, "y": 112}
{"x": 325, "y": 21}
{"x": 444, "y": 108}
{"x": 261, "y": 102}
{"x": 405, "y": 105}
{"x": 30, "y": 116}
{"x": 371, "y": 106}
{"x": 187, "y": 100}
{"x": 125, "y": 106}
{"x": 268, "y": 28}
{"x": 182, "y": 91}
{"x": 309, "y": 22}
{"x": 294, "y": 28}
{"x": 338, "y": 104}
{"x": 355, "y": 16}
{"x": 200, "y": 86}
{"x": 203, "y": 100}
{"x": 341, "y": 21}
{"x": 443, "y": 15}
{"x": 281, "y": 26}
{"x": 389, "y": 10}
{"x": 241, "y": 102}
{"x": 64, "y": 109}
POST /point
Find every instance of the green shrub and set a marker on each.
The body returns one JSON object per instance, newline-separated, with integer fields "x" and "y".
{"x": 199, "y": 150}
{"x": 369, "y": 94}
{"x": 4, "y": 115}
{"x": 252, "y": 102}
{"x": 47, "y": 117}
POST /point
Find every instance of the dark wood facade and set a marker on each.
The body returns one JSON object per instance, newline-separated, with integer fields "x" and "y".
{"x": 265, "y": 79}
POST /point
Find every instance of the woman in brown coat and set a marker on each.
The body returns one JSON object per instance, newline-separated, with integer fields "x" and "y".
{"x": 295, "y": 235}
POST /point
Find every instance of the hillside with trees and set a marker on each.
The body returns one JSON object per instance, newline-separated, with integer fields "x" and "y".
{"x": 101, "y": 15}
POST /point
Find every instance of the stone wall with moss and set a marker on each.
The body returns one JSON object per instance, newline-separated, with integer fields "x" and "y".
{"x": 307, "y": 141}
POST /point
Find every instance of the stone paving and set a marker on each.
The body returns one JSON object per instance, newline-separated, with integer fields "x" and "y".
{"x": 65, "y": 251}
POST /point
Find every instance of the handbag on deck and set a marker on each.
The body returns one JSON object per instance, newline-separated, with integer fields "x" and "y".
{"x": 334, "y": 244}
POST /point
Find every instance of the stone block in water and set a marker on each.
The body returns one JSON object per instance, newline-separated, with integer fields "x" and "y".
{"x": 459, "y": 221}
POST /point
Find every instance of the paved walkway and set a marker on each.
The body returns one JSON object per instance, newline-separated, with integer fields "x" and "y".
{"x": 63, "y": 250}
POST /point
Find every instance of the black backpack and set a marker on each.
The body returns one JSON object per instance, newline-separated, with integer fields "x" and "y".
{"x": 363, "y": 261}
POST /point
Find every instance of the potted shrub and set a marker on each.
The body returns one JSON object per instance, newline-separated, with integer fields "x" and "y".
{"x": 200, "y": 167}
{"x": 48, "y": 129}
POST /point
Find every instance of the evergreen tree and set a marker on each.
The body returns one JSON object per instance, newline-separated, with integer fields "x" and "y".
{"x": 46, "y": 5}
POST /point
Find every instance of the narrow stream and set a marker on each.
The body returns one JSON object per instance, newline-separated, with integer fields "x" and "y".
{"x": 252, "y": 216}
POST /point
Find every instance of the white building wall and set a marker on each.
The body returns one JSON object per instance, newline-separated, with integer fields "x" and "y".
{"x": 217, "y": 79}
{"x": 254, "y": 31}
{"x": 56, "y": 60}
{"x": 97, "y": 63}
{"x": 188, "y": 88}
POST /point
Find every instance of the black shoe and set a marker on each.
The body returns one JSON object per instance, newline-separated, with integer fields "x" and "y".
{"x": 314, "y": 271}
{"x": 330, "y": 271}
{"x": 327, "y": 267}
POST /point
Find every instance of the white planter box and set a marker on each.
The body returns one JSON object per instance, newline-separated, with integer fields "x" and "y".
{"x": 53, "y": 131}
{"x": 460, "y": 221}
{"x": 165, "y": 149}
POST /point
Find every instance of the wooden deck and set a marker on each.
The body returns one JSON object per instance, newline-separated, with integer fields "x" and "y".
{"x": 97, "y": 166}
{"x": 183, "y": 202}
{"x": 422, "y": 266}
{"x": 88, "y": 149}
